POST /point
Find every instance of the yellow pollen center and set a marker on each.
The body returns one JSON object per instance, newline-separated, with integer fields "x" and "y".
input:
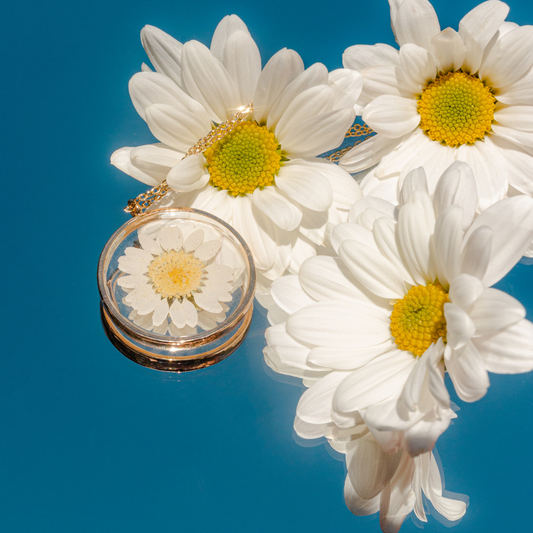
{"x": 248, "y": 158}
{"x": 175, "y": 274}
{"x": 417, "y": 320}
{"x": 456, "y": 109}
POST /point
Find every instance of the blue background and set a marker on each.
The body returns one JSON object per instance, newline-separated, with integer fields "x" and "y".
{"x": 89, "y": 441}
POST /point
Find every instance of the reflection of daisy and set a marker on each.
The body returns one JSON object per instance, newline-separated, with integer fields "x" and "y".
{"x": 407, "y": 292}
{"x": 393, "y": 484}
{"x": 263, "y": 178}
{"x": 176, "y": 277}
{"x": 447, "y": 96}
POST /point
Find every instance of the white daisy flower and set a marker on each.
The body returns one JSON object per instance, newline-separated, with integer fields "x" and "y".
{"x": 176, "y": 277}
{"x": 446, "y": 96}
{"x": 408, "y": 293}
{"x": 263, "y": 178}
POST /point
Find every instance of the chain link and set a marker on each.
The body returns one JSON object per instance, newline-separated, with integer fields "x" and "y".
{"x": 137, "y": 206}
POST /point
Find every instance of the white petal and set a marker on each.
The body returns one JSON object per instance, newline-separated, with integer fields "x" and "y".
{"x": 378, "y": 380}
{"x": 447, "y": 243}
{"x": 519, "y": 117}
{"x": 459, "y": 326}
{"x": 189, "y": 174}
{"x": 150, "y": 174}
{"x": 433, "y": 156}
{"x": 418, "y": 66}
{"x": 397, "y": 499}
{"x": 207, "y": 301}
{"x": 132, "y": 282}
{"x": 465, "y": 290}
{"x": 277, "y": 207}
{"x": 208, "y": 81}
{"x": 369, "y": 467}
{"x": 193, "y": 241}
{"x": 354, "y": 232}
{"x": 243, "y": 62}
{"x": 177, "y": 127}
{"x": 347, "y": 85}
{"x": 476, "y": 252}
{"x": 415, "y": 180}
{"x": 386, "y": 208}
{"x": 414, "y": 239}
{"x": 523, "y": 139}
{"x": 257, "y": 230}
{"x": 318, "y": 134}
{"x": 457, "y": 186}
{"x": 149, "y": 244}
{"x": 190, "y": 313}
{"x": 448, "y": 50}
{"x": 384, "y": 80}
{"x": 386, "y": 239}
{"x": 507, "y": 60}
{"x": 391, "y": 115}
{"x": 306, "y": 105}
{"x": 339, "y": 324}
{"x": 161, "y": 312}
{"x": 289, "y": 350}
{"x": 306, "y": 186}
{"x": 347, "y": 358}
{"x": 229, "y": 25}
{"x": 488, "y": 165}
{"x": 416, "y": 22}
{"x": 164, "y": 52}
{"x": 517, "y": 163}
{"x": 495, "y": 310}
{"x": 327, "y": 278}
{"x": 218, "y": 203}
{"x": 375, "y": 272}
{"x": 289, "y": 295}
{"x": 368, "y": 153}
{"x": 519, "y": 92}
{"x": 467, "y": 371}
{"x": 362, "y": 56}
{"x": 207, "y": 250}
{"x": 131, "y": 267}
{"x": 177, "y": 314}
{"x": 509, "y": 352}
{"x": 315, "y": 404}
{"x": 139, "y": 255}
{"x": 148, "y": 88}
{"x": 357, "y": 505}
{"x": 170, "y": 238}
{"x": 512, "y": 221}
{"x": 316, "y": 74}
{"x": 282, "y": 68}
{"x": 477, "y": 28}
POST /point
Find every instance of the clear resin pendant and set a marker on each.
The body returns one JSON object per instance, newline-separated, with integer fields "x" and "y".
{"x": 176, "y": 288}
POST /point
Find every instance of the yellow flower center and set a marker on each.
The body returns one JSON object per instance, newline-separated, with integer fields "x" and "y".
{"x": 456, "y": 109}
{"x": 417, "y": 320}
{"x": 246, "y": 159}
{"x": 175, "y": 274}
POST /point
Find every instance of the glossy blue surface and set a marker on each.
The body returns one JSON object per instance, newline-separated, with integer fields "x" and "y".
{"x": 89, "y": 440}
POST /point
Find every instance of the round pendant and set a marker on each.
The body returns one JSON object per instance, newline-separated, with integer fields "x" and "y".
{"x": 176, "y": 288}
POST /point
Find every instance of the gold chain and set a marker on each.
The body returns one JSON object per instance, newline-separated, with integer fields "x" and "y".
{"x": 357, "y": 130}
{"x": 138, "y": 205}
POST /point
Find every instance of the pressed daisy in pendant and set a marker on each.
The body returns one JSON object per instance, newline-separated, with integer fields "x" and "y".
{"x": 176, "y": 277}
